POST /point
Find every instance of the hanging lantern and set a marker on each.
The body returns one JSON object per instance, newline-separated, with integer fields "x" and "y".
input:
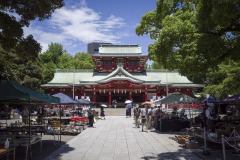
{"x": 140, "y": 91}
{"x": 118, "y": 90}
{"x": 104, "y": 91}
{"x": 100, "y": 91}
{"x": 114, "y": 91}
{"x": 125, "y": 91}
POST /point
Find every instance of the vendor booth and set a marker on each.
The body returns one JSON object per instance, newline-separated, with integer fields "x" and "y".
{"x": 175, "y": 121}
{"x": 22, "y": 133}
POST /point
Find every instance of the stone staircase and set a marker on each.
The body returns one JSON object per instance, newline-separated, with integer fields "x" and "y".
{"x": 113, "y": 111}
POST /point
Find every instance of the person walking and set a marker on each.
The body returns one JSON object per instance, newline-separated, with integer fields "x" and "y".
{"x": 144, "y": 117}
{"x": 136, "y": 112}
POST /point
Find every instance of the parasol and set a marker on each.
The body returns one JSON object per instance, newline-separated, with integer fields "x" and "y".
{"x": 128, "y": 101}
{"x": 104, "y": 105}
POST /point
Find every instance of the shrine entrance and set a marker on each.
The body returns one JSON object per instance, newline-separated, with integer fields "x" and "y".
{"x": 120, "y": 97}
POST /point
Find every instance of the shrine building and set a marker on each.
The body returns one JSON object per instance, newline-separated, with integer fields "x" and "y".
{"x": 120, "y": 73}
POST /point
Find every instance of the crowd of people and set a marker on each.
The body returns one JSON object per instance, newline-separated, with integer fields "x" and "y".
{"x": 147, "y": 116}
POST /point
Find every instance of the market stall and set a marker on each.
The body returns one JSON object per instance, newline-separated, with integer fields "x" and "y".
{"x": 174, "y": 120}
{"x": 13, "y": 93}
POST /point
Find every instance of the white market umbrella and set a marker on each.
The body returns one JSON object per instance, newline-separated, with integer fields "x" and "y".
{"x": 104, "y": 105}
{"x": 128, "y": 101}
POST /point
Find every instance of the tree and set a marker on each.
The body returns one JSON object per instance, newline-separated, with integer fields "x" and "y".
{"x": 83, "y": 61}
{"x": 225, "y": 80}
{"x": 65, "y": 61}
{"x": 57, "y": 58}
{"x": 48, "y": 71}
{"x": 156, "y": 65}
{"x": 193, "y": 36}
{"x": 24, "y": 70}
{"x": 50, "y": 60}
{"x": 11, "y": 32}
{"x": 53, "y": 53}
{"x": 18, "y": 54}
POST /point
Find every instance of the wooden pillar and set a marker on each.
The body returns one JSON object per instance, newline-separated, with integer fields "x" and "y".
{"x": 94, "y": 96}
{"x": 109, "y": 98}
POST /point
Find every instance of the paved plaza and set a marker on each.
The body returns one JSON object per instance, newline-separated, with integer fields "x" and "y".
{"x": 116, "y": 138}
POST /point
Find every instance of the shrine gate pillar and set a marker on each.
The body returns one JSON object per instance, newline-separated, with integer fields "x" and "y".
{"x": 94, "y": 96}
{"x": 145, "y": 96}
{"x": 130, "y": 95}
{"x": 109, "y": 98}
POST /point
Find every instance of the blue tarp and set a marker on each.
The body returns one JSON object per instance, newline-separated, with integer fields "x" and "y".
{"x": 65, "y": 99}
{"x": 233, "y": 99}
{"x": 211, "y": 99}
{"x": 84, "y": 101}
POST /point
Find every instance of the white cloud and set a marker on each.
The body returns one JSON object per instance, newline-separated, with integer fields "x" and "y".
{"x": 70, "y": 26}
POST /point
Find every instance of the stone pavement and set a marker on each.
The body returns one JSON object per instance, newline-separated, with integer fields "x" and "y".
{"x": 116, "y": 138}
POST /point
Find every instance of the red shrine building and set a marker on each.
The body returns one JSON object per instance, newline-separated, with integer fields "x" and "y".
{"x": 120, "y": 73}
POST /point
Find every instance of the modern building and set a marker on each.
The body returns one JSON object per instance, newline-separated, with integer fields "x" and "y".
{"x": 120, "y": 73}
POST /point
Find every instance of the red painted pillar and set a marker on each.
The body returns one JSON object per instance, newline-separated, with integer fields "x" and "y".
{"x": 109, "y": 98}
{"x": 130, "y": 95}
{"x": 94, "y": 96}
{"x": 145, "y": 97}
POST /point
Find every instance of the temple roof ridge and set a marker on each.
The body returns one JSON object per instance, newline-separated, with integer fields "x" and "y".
{"x": 119, "y": 70}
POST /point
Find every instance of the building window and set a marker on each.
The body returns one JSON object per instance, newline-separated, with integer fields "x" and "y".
{"x": 107, "y": 63}
{"x": 132, "y": 63}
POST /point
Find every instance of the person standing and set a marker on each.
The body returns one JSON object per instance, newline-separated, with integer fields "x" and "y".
{"x": 136, "y": 112}
{"x": 25, "y": 115}
{"x": 149, "y": 117}
{"x": 114, "y": 103}
{"x": 129, "y": 107}
{"x": 102, "y": 112}
{"x": 144, "y": 117}
{"x": 90, "y": 118}
{"x": 157, "y": 117}
{"x": 209, "y": 113}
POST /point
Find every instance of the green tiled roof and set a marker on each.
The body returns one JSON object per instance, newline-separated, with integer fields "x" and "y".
{"x": 80, "y": 77}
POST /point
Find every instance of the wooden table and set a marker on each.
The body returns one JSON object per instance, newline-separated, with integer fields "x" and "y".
{"x": 4, "y": 151}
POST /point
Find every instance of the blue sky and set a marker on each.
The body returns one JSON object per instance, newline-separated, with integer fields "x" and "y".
{"x": 81, "y": 22}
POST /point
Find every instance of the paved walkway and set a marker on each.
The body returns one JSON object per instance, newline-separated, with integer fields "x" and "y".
{"x": 116, "y": 138}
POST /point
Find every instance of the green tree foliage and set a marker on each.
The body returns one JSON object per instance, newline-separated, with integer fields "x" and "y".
{"x": 50, "y": 60}
{"x": 53, "y": 53}
{"x": 18, "y": 54}
{"x": 83, "y": 61}
{"x": 225, "y": 80}
{"x": 65, "y": 61}
{"x": 24, "y": 70}
{"x": 57, "y": 58}
{"x": 194, "y": 36}
{"x": 156, "y": 65}
{"x": 11, "y": 32}
{"x": 48, "y": 71}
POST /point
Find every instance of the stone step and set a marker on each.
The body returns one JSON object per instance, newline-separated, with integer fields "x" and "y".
{"x": 113, "y": 111}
